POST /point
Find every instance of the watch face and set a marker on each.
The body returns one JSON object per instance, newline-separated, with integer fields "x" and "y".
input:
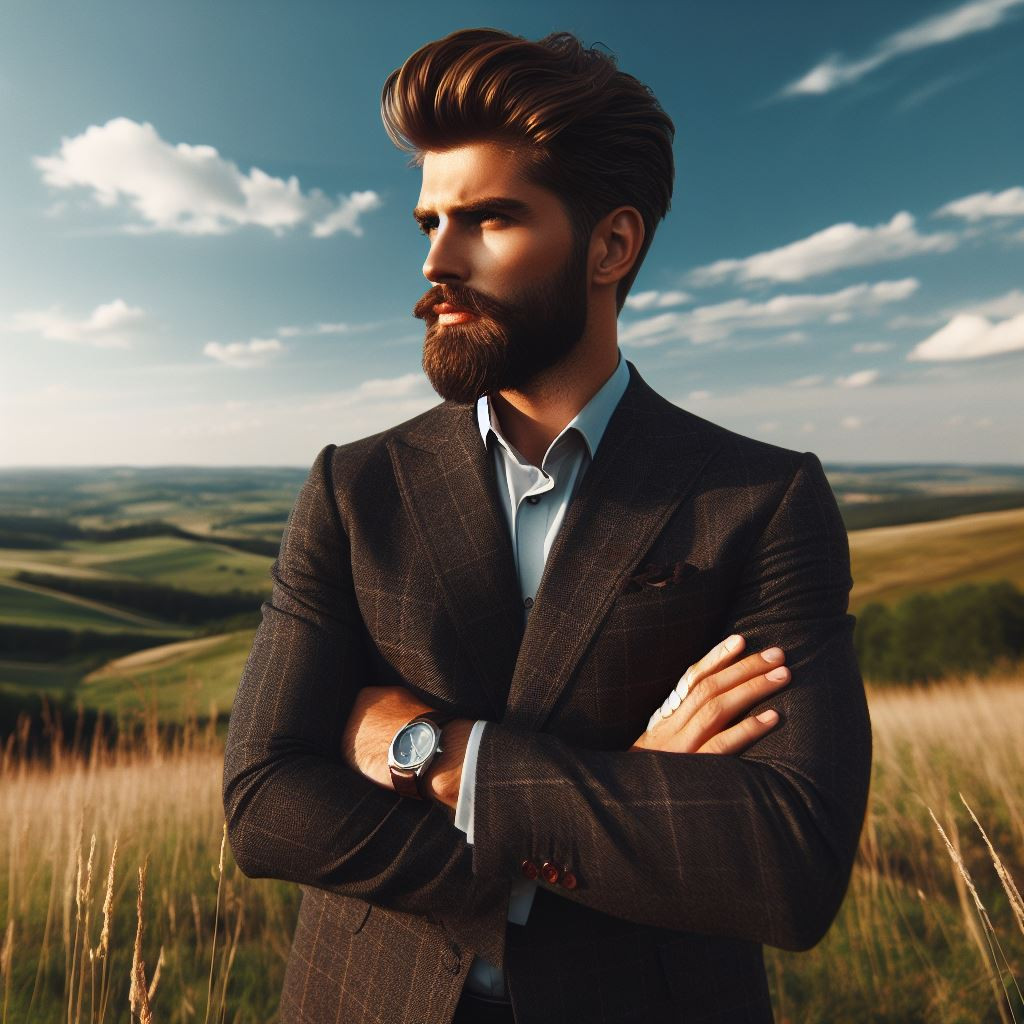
{"x": 414, "y": 744}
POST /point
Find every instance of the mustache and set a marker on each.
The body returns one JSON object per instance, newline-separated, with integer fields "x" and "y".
{"x": 462, "y": 297}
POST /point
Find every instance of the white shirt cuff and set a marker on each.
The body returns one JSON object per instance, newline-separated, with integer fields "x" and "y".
{"x": 467, "y": 787}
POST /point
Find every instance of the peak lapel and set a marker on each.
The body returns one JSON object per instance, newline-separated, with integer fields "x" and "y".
{"x": 449, "y": 491}
{"x": 647, "y": 462}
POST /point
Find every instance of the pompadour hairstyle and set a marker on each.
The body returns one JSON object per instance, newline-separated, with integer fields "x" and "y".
{"x": 592, "y": 134}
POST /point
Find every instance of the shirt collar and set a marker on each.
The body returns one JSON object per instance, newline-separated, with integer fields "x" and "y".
{"x": 590, "y": 421}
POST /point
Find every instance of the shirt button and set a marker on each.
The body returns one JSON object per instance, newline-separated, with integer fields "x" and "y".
{"x": 528, "y": 603}
{"x": 529, "y": 869}
{"x": 550, "y": 872}
{"x": 533, "y": 499}
{"x": 569, "y": 880}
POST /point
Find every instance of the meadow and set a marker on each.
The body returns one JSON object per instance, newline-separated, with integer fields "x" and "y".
{"x": 909, "y": 944}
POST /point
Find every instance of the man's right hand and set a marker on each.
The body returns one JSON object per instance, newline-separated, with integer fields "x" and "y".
{"x": 717, "y": 692}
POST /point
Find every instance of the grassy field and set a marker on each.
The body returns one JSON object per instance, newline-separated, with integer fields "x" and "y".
{"x": 197, "y": 674}
{"x": 890, "y": 562}
{"x": 908, "y": 945}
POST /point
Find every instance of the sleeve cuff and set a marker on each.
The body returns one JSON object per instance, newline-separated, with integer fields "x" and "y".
{"x": 467, "y": 787}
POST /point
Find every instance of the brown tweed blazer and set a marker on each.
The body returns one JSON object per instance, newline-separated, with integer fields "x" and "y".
{"x": 396, "y": 568}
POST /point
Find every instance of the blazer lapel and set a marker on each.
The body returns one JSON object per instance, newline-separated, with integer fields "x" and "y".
{"x": 449, "y": 491}
{"x": 648, "y": 461}
{"x": 650, "y": 456}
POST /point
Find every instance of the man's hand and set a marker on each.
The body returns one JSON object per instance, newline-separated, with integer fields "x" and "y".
{"x": 378, "y": 713}
{"x": 716, "y": 693}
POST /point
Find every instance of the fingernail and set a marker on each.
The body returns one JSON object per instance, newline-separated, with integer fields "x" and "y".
{"x": 732, "y": 642}
{"x": 767, "y": 716}
{"x": 777, "y": 673}
{"x": 773, "y": 654}
{"x": 674, "y": 699}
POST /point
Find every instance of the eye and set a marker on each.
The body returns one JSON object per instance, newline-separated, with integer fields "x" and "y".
{"x": 427, "y": 225}
{"x": 491, "y": 217}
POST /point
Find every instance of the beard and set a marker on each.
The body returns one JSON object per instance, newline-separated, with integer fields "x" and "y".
{"x": 508, "y": 343}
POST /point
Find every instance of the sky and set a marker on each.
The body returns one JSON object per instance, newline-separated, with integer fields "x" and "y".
{"x": 207, "y": 253}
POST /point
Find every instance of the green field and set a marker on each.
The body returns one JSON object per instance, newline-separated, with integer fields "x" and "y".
{"x": 192, "y": 675}
{"x": 37, "y": 607}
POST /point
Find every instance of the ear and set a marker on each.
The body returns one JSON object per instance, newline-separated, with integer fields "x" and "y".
{"x": 615, "y": 244}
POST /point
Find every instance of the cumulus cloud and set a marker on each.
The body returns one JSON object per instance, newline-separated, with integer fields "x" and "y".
{"x": 986, "y": 205}
{"x": 345, "y": 216}
{"x": 865, "y": 347}
{"x": 657, "y": 300}
{"x": 834, "y": 248}
{"x": 244, "y": 355}
{"x": 109, "y": 325}
{"x": 858, "y": 379}
{"x": 718, "y": 321}
{"x": 970, "y": 336}
{"x": 837, "y": 71}
{"x": 190, "y": 189}
{"x": 810, "y": 381}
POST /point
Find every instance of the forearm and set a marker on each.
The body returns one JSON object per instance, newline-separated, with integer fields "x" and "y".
{"x": 695, "y": 842}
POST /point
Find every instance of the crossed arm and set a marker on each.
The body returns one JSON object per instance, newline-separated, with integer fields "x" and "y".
{"x": 758, "y": 846}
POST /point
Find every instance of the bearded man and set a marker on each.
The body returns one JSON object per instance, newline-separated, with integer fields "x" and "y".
{"x": 462, "y": 728}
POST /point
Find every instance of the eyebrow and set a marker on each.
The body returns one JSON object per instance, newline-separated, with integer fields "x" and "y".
{"x": 499, "y": 203}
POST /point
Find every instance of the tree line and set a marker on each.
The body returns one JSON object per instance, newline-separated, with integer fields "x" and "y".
{"x": 971, "y": 628}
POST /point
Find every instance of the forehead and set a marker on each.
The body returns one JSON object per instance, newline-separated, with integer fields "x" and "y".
{"x": 462, "y": 174}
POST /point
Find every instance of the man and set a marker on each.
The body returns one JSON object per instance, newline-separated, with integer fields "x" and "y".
{"x": 533, "y": 563}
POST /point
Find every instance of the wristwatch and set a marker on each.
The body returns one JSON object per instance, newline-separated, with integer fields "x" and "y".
{"x": 413, "y": 750}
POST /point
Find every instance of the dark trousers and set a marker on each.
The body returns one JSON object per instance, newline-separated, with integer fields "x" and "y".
{"x": 473, "y": 1009}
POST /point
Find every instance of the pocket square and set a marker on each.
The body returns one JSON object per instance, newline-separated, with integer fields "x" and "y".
{"x": 658, "y": 576}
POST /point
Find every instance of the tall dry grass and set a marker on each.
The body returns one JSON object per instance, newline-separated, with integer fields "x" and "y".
{"x": 118, "y": 896}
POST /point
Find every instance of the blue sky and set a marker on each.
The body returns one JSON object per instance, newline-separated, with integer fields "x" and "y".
{"x": 207, "y": 254}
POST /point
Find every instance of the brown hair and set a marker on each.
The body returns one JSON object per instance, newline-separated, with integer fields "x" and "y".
{"x": 593, "y": 135}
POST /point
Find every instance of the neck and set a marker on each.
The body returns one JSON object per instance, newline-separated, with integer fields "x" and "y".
{"x": 532, "y": 418}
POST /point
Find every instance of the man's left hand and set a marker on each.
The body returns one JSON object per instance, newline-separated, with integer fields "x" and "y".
{"x": 378, "y": 713}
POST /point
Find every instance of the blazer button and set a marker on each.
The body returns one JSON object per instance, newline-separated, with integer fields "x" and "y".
{"x": 452, "y": 963}
{"x": 569, "y": 880}
{"x": 529, "y": 869}
{"x": 549, "y": 872}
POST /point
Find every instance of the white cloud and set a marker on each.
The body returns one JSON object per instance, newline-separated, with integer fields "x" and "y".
{"x": 858, "y": 379}
{"x": 834, "y": 248}
{"x": 715, "y": 322}
{"x": 657, "y": 300}
{"x": 866, "y": 347}
{"x": 970, "y": 336}
{"x": 1000, "y": 308}
{"x": 109, "y": 325}
{"x": 810, "y": 381}
{"x": 699, "y": 395}
{"x": 243, "y": 354}
{"x": 984, "y": 205}
{"x": 393, "y": 387}
{"x": 190, "y": 189}
{"x": 345, "y": 217}
{"x": 851, "y": 423}
{"x": 969, "y": 18}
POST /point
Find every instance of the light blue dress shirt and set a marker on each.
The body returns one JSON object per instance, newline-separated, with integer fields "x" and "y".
{"x": 535, "y": 505}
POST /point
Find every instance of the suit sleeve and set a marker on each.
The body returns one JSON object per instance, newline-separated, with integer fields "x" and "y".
{"x": 758, "y": 846}
{"x": 294, "y": 809}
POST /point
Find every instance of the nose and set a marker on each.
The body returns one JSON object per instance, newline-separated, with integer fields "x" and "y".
{"x": 447, "y": 261}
